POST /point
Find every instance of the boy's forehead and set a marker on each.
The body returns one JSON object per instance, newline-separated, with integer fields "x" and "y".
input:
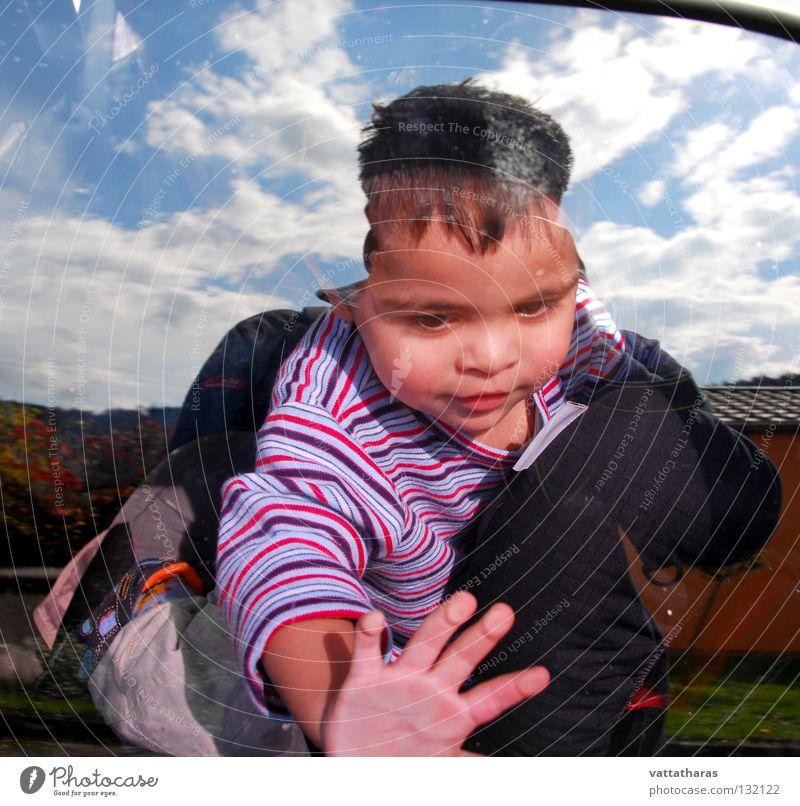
{"x": 548, "y": 255}
{"x": 509, "y": 272}
{"x": 396, "y": 230}
{"x": 541, "y": 243}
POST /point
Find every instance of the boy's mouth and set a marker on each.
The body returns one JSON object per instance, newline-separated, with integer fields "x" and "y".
{"x": 484, "y": 402}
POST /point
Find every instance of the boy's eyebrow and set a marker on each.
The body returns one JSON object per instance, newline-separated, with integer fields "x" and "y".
{"x": 409, "y": 302}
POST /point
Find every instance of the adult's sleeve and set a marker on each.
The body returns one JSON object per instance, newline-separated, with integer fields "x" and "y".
{"x": 686, "y": 488}
{"x": 296, "y": 537}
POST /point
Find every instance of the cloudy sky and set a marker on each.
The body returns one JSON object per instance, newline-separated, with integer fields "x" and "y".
{"x": 169, "y": 171}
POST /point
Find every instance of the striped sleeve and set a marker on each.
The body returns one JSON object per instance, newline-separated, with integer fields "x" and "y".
{"x": 296, "y": 536}
{"x": 597, "y": 348}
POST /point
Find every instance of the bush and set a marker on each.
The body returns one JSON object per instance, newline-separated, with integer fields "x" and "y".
{"x": 64, "y": 474}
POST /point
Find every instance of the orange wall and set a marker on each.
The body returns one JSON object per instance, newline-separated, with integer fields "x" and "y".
{"x": 757, "y": 610}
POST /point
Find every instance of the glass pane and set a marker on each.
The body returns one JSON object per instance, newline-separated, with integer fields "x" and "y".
{"x": 169, "y": 169}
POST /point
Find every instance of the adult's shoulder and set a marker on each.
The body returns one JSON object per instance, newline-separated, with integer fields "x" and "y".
{"x": 646, "y": 362}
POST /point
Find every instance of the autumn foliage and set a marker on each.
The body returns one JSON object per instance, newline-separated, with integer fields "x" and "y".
{"x": 64, "y": 474}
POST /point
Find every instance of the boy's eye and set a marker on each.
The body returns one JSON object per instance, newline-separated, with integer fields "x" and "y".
{"x": 534, "y": 309}
{"x": 429, "y": 321}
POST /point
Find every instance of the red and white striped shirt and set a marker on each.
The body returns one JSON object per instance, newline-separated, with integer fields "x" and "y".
{"x": 357, "y": 501}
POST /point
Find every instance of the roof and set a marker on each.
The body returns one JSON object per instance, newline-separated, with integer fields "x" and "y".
{"x": 756, "y": 406}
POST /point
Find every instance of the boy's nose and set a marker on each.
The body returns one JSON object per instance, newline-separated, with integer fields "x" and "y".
{"x": 490, "y": 351}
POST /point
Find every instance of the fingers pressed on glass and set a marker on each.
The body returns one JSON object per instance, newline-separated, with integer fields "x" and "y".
{"x": 460, "y": 659}
{"x": 427, "y": 643}
{"x": 490, "y": 699}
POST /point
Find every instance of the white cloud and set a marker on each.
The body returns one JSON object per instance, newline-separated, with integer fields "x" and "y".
{"x": 701, "y": 285}
{"x": 700, "y": 293}
{"x": 757, "y": 219}
{"x": 700, "y": 147}
{"x": 615, "y": 88}
{"x": 766, "y": 137}
{"x": 717, "y": 151}
{"x": 679, "y": 50}
{"x": 286, "y": 119}
{"x": 651, "y": 192}
{"x": 602, "y": 122}
{"x": 288, "y": 111}
{"x": 293, "y": 120}
{"x": 148, "y": 290}
{"x": 284, "y": 35}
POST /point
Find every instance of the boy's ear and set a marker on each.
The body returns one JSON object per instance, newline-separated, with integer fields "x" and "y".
{"x": 341, "y": 299}
{"x": 340, "y": 307}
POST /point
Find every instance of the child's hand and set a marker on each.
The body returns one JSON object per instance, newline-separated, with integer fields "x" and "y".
{"x": 413, "y": 707}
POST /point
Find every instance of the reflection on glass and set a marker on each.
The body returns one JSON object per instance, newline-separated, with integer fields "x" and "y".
{"x": 185, "y": 166}
{"x": 168, "y": 169}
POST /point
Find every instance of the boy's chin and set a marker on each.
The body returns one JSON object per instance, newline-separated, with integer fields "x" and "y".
{"x": 470, "y": 427}
{"x": 476, "y": 426}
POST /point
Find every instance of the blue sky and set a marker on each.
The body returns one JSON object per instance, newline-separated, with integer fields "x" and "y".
{"x": 169, "y": 172}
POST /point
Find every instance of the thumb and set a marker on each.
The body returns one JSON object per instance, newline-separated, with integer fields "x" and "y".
{"x": 367, "y": 643}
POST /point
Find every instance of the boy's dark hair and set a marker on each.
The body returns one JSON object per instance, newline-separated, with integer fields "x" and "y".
{"x": 462, "y": 154}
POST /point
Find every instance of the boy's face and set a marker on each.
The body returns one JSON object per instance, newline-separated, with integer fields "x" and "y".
{"x": 466, "y": 337}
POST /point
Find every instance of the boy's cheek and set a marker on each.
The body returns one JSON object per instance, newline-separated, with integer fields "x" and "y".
{"x": 560, "y": 350}
{"x": 392, "y": 360}
{"x": 410, "y": 376}
{"x": 550, "y": 368}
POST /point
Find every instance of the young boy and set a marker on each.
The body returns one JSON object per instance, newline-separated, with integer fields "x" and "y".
{"x": 395, "y": 423}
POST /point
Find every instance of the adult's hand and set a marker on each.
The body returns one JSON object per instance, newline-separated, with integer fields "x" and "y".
{"x": 413, "y": 707}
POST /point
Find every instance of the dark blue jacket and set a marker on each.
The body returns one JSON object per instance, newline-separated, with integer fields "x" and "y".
{"x": 648, "y": 459}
